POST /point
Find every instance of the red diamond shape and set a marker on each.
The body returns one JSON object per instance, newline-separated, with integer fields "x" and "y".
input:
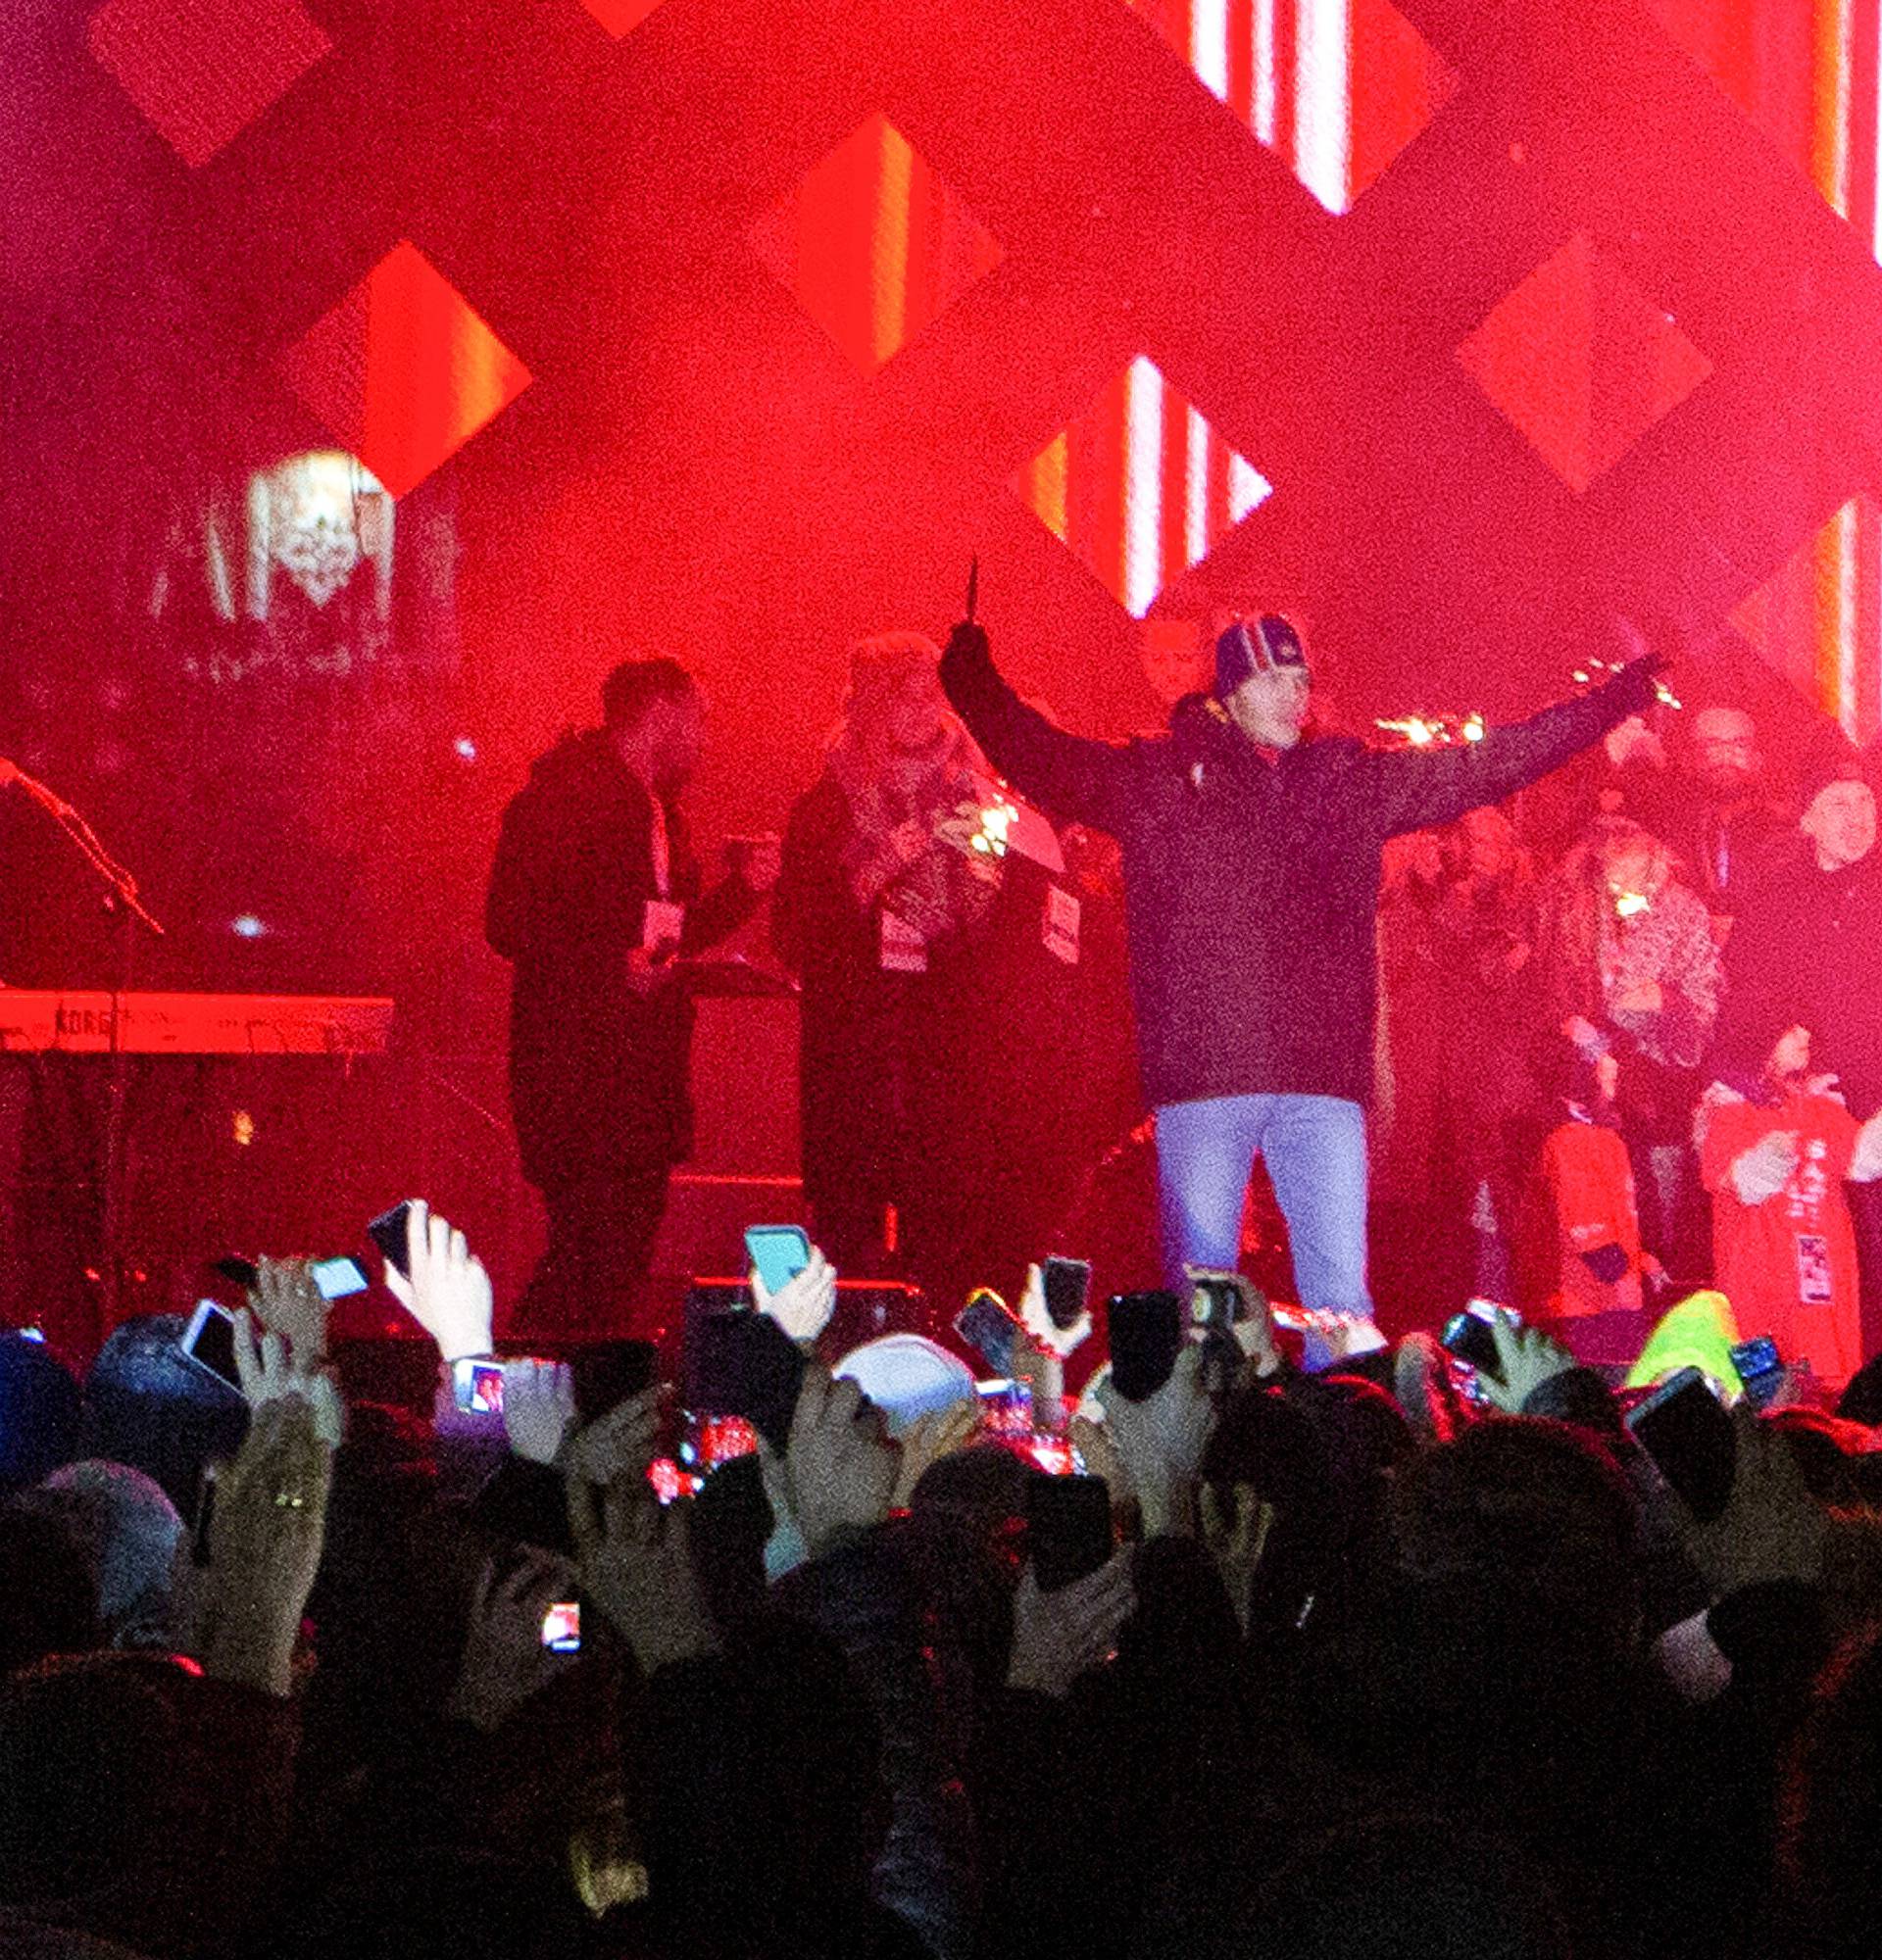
{"x": 403, "y": 370}
{"x": 874, "y": 244}
{"x": 1140, "y": 488}
{"x": 1817, "y": 620}
{"x": 621, "y": 17}
{"x": 1582, "y": 361}
{"x": 1338, "y": 87}
{"x": 201, "y": 70}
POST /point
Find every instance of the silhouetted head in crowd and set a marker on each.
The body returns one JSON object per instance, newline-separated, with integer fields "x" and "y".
{"x": 1415, "y": 1888}
{"x": 1830, "y": 1841}
{"x": 48, "y": 1596}
{"x": 1534, "y": 1511}
{"x": 130, "y": 1533}
{"x": 38, "y": 1412}
{"x": 655, "y": 716}
{"x": 148, "y": 1405}
{"x": 91, "y": 1758}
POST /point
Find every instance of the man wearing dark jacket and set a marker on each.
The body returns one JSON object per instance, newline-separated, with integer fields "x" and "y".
{"x": 1252, "y": 862}
{"x": 593, "y": 892}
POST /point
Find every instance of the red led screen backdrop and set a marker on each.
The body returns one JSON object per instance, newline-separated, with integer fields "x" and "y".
{"x": 1338, "y": 87}
{"x": 403, "y": 370}
{"x": 1582, "y": 361}
{"x": 1140, "y": 488}
{"x": 202, "y": 71}
{"x": 874, "y": 244}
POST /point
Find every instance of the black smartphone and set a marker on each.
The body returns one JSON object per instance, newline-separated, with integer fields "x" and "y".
{"x": 987, "y": 1326}
{"x": 209, "y": 1342}
{"x": 1146, "y": 1331}
{"x": 1471, "y": 1338}
{"x": 1067, "y": 1290}
{"x": 608, "y": 1372}
{"x": 1761, "y": 1370}
{"x": 1215, "y": 1303}
{"x": 388, "y": 1233}
{"x": 1068, "y": 1527}
{"x": 744, "y": 1364}
{"x": 1683, "y": 1427}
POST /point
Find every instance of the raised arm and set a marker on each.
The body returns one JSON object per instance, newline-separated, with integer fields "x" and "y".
{"x": 1418, "y": 789}
{"x": 1072, "y": 778}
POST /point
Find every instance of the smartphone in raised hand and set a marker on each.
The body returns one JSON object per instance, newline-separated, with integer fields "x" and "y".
{"x": 987, "y": 1326}
{"x": 1684, "y": 1428}
{"x": 777, "y": 1253}
{"x": 1067, "y": 1286}
{"x": 387, "y": 1232}
{"x": 209, "y": 1341}
{"x": 1145, "y": 1331}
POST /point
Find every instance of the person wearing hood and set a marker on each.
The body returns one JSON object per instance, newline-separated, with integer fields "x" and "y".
{"x": 594, "y": 891}
{"x": 1251, "y": 865}
{"x": 886, "y": 922}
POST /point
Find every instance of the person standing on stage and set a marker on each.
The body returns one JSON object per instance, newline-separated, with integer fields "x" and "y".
{"x": 1252, "y": 866}
{"x": 594, "y": 892}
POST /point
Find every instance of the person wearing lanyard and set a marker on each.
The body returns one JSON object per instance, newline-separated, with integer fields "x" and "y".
{"x": 594, "y": 891}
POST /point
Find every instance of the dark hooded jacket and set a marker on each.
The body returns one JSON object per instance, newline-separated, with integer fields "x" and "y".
{"x": 599, "y": 1075}
{"x": 1251, "y": 878}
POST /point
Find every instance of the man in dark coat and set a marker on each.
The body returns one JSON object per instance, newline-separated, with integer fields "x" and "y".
{"x": 1252, "y": 865}
{"x": 594, "y": 892}
{"x": 1807, "y": 952}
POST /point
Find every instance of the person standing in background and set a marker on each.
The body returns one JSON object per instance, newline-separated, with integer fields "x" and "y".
{"x": 594, "y": 897}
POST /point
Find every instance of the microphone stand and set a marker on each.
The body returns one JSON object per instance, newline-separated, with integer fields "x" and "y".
{"x": 120, "y": 897}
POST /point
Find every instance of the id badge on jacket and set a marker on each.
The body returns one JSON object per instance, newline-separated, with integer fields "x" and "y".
{"x": 1813, "y": 1287}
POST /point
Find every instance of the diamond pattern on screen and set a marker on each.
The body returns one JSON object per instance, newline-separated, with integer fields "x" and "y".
{"x": 1337, "y": 87}
{"x": 1140, "y": 487}
{"x": 1807, "y": 75}
{"x": 1817, "y": 620}
{"x": 621, "y": 17}
{"x": 874, "y": 244}
{"x": 201, "y": 70}
{"x": 403, "y": 370}
{"x": 1582, "y": 361}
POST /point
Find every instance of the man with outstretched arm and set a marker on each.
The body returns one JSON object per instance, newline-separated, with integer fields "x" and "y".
{"x": 1252, "y": 862}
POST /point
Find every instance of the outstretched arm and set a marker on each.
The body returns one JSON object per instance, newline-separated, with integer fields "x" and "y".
{"x": 1420, "y": 788}
{"x": 1074, "y": 780}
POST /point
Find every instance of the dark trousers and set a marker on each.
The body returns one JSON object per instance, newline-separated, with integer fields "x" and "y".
{"x": 602, "y": 1227}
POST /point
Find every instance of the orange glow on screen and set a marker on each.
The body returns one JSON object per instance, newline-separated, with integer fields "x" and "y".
{"x": 874, "y": 244}
{"x": 1140, "y": 487}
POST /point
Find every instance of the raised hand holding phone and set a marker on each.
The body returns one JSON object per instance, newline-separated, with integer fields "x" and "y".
{"x": 444, "y": 1287}
{"x": 265, "y": 1533}
{"x": 538, "y": 1408}
{"x": 269, "y": 1371}
{"x": 636, "y": 1563}
{"x": 1057, "y": 1636}
{"x": 1053, "y": 1307}
{"x": 287, "y": 1301}
{"x": 804, "y": 1303}
{"x": 1160, "y": 1440}
{"x": 839, "y": 1468}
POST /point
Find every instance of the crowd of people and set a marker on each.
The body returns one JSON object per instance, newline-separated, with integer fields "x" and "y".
{"x": 1355, "y": 1666}
{"x": 1579, "y": 1045}
{"x": 1287, "y": 1639}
